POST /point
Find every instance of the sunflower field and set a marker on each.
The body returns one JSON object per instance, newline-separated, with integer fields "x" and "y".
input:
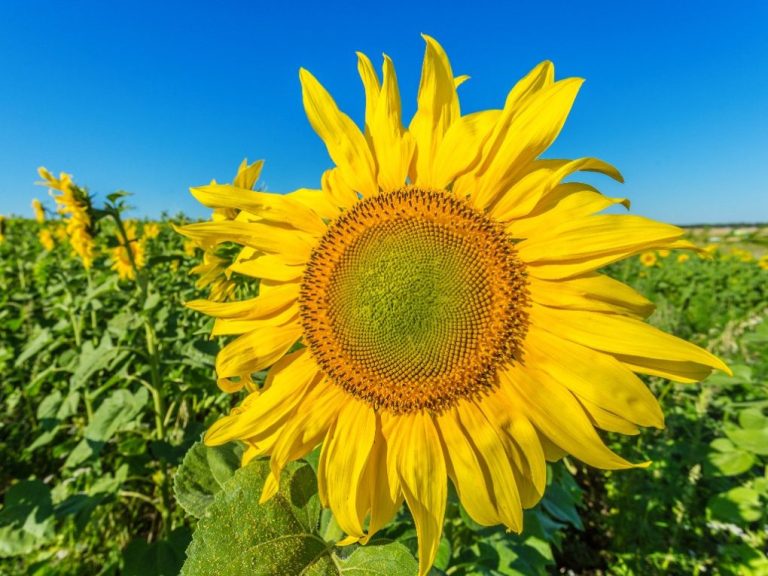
{"x": 108, "y": 385}
{"x": 450, "y": 359}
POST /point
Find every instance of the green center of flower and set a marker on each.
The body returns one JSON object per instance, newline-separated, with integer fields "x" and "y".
{"x": 412, "y": 299}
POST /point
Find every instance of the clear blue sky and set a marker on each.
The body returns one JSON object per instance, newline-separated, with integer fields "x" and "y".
{"x": 156, "y": 97}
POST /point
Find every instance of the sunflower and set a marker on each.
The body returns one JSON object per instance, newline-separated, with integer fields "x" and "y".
{"x": 75, "y": 205}
{"x": 37, "y": 206}
{"x": 151, "y": 230}
{"x": 2, "y": 228}
{"x": 126, "y": 259}
{"x": 648, "y": 259}
{"x": 214, "y": 271}
{"x": 46, "y": 239}
{"x": 434, "y": 311}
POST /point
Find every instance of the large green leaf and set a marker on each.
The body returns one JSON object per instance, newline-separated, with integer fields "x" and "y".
{"x": 118, "y": 411}
{"x": 237, "y": 536}
{"x": 26, "y": 520}
{"x": 738, "y": 505}
{"x": 202, "y": 473}
{"x": 728, "y": 459}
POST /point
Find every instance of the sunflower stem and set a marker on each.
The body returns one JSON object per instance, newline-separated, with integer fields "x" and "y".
{"x": 89, "y": 278}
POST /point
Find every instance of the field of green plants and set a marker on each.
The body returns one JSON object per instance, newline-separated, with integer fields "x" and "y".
{"x": 108, "y": 383}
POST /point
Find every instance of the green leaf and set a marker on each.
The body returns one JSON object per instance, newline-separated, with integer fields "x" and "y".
{"x": 377, "y": 558}
{"x": 753, "y": 418}
{"x": 732, "y": 463}
{"x": 738, "y": 505}
{"x": 94, "y": 359}
{"x": 161, "y": 558}
{"x": 119, "y": 410}
{"x": 239, "y": 537}
{"x": 34, "y": 346}
{"x": 26, "y": 520}
{"x": 741, "y": 375}
{"x": 202, "y": 473}
{"x": 561, "y": 505}
{"x": 749, "y": 439}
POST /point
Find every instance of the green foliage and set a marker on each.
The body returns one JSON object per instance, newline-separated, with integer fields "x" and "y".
{"x": 239, "y": 537}
{"x": 107, "y": 386}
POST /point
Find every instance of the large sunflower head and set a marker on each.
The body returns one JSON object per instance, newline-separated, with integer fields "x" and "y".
{"x": 435, "y": 310}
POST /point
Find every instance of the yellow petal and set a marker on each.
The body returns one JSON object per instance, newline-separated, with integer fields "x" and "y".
{"x": 256, "y": 350}
{"x": 346, "y": 144}
{"x": 308, "y": 425}
{"x": 291, "y": 246}
{"x": 540, "y": 77}
{"x": 621, "y": 335}
{"x": 230, "y": 327}
{"x": 289, "y": 380}
{"x": 420, "y": 465}
{"x": 585, "y": 245}
{"x": 266, "y": 266}
{"x": 523, "y": 136}
{"x": 594, "y": 292}
{"x": 576, "y": 201}
{"x": 594, "y": 376}
{"x": 605, "y": 420}
{"x": 337, "y": 191}
{"x": 317, "y": 201}
{"x": 393, "y": 146}
{"x": 247, "y": 175}
{"x": 470, "y": 480}
{"x": 381, "y": 486}
{"x": 554, "y": 411}
{"x": 437, "y": 108}
{"x": 251, "y": 309}
{"x": 345, "y": 462}
{"x": 372, "y": 88}
{"x": 501, "y": 409}
{"x": 679, "y": 371}
{"x": 279, "y": 208}
{"x": 459, "y": 80}
{"x": 526, "y": 193}
{"x": 461, "y": 147}
{"x": 490, "y": 448}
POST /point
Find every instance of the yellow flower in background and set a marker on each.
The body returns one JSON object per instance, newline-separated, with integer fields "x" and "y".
{"x": 663, "y": 253}
{"x": 46, "y": 239}
{"x": 2, "y": 228}
{"x": 190, "y": 248}
{"x": 126, "y": 259}
{"x": 214, "y": 271}
{"x": 75, "y": 205}
{"x": 742, "y": 255}
{"x": 60, "y": 232}
{"x": 648, "y": 259}
{"x": 681, "y": 258}
{"x": 763, "y": 262}
{"x": 37, "y": 206}
{"x": 443, "y": 286}
{"x": 151, "y": 230}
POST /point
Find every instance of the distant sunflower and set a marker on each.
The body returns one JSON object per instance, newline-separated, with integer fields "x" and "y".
{"x": 443, "y": 287}
{"x": 74, "y": 204}
{"x": 37, "y": 207}
{"x": 214, "y": 271}
{"x": 648, "y": 259}
{"x": 128, "y": 257}
{"x": 46, "y": 239}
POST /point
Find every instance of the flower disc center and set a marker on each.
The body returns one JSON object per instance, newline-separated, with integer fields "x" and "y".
{"x": 412, "y": 299}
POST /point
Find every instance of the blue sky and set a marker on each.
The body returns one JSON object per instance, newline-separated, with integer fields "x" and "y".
{"x": 156, "y": 97}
